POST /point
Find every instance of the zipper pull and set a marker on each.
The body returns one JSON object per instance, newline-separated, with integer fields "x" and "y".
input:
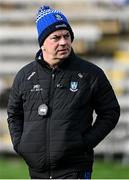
{"x": 53, "y": 76}
{"x": 59, "y": 85}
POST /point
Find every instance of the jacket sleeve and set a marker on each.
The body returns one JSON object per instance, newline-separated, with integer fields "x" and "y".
{"x": 15, "y": 113}
{"x": 107, "y": 110}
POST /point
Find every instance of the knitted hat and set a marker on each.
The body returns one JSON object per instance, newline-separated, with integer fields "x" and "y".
{"x": 49, "y": 20}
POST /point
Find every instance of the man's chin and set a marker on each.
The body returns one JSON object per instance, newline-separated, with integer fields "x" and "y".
{"x": 63, "y": 55}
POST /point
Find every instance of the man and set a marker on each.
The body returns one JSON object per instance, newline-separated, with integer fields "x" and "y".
{"x": 50, "y": 109}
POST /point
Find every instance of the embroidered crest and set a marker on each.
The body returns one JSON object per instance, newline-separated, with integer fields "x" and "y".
{"x": 58, "y": 17}
{"x": 36, "y": 87}
{"x": 73, "y": 86}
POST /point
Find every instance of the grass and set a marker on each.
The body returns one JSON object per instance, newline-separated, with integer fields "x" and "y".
{"x": 110, "y": 170}
{"x": 15, "y": 168}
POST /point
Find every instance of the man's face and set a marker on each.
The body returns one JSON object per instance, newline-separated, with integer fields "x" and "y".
{"x": 57, "y": 46}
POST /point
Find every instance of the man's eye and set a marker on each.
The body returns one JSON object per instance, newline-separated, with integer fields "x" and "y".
{"x": 55, "y": 38}
{"x": 66, "y": 36}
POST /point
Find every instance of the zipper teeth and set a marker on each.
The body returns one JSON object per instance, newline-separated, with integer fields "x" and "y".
{"x": 48, "y": 132}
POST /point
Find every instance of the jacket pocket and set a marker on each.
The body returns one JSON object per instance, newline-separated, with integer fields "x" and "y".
{"x": 33, "y": 154}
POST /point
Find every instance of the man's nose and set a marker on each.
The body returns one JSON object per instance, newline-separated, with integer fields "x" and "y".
{"x": 63, "y": 41}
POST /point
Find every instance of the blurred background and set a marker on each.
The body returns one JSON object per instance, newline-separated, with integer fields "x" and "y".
{"x": 101, "y": 29}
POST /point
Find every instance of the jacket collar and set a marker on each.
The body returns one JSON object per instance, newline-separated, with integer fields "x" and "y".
{"x": 64, "y": 64}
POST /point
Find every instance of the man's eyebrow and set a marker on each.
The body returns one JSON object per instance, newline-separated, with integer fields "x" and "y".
{"x": 56, "y": 35}
{"x": 66, "y": 34}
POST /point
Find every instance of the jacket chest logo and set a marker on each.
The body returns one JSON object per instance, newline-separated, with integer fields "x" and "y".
{"x": 73, "y": 86}
{"x": 36, "y": 87}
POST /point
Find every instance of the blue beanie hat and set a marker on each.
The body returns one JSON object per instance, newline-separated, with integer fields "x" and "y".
{"x": 49, "y": 20}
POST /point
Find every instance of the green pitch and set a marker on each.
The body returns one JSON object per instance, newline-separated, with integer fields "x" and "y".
{"x": 15, "y": 168}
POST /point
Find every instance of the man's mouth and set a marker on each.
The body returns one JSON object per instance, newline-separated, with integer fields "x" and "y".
{"x": 62, "y": 50}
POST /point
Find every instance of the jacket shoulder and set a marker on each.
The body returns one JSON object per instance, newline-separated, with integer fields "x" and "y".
{"x": 87, "y": 66}
{"x": 25, "y": 70}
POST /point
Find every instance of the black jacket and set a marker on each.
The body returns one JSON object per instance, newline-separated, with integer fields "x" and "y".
{"x": 63, "y": 139}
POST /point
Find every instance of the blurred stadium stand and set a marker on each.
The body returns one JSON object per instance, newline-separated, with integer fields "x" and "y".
{"x": 101, "y": 30}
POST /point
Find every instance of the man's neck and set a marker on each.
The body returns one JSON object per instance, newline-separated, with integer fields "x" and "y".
{"x": 52, "y": 63}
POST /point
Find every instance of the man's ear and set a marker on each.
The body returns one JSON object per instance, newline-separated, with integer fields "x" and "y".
{"x": 43, "y": 48}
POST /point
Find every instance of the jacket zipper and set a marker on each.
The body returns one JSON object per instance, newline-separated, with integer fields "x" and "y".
{"x": 49, "y": 123}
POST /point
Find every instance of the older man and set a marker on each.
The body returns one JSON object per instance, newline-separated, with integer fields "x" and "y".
{"x": 50, "y": 109}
